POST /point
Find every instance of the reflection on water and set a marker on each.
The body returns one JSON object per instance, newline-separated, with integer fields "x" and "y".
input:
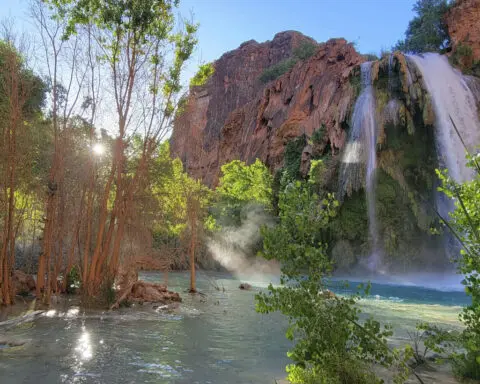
{"x": 217, "y": 338}
{"x": 84, "y": 347}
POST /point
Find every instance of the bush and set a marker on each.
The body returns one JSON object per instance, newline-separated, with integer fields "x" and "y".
{"x": 275, "y": 71}
{"x": 463, "y": 58}
{"x": 293, "y": 157}
{"x": 205, "y": 71}
{"x": 73, "y": 280}
{"x": 303, "y": 52}
{"x": 317, "y": 136}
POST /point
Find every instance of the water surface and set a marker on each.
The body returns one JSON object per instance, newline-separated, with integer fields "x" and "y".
{"x": 217, "y": 338}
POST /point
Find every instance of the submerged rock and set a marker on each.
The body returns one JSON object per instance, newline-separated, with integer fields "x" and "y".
{"x": 245, "y": 286}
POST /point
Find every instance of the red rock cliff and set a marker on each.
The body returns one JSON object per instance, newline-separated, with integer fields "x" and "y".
{"x": 236, "y": 116}
{"x": 463, "y": 21}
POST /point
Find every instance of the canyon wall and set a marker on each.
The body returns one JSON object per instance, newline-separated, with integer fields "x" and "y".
{"x": 236, "y": 116}
{"x": 463, "y": 22}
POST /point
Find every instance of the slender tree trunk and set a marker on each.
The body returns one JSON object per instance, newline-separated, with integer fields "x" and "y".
{"x": 102, "y": 224}
{"x": 193, "y": 243}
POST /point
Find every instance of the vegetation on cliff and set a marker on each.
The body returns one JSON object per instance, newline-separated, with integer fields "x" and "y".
{"x": 303, "y": 52}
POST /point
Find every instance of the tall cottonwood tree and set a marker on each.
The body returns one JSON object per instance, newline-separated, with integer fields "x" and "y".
{"x": 21, "y": 97}
{"x": 67, "y": 80}
{"x": 144, "y": 57}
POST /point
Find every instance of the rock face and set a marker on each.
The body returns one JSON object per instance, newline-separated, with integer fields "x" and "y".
{"x": 236, "y": 116}
{"x": 463, "y": 21}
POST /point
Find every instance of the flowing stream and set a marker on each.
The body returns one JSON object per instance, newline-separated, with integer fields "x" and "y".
{"x": 217, "y": 338}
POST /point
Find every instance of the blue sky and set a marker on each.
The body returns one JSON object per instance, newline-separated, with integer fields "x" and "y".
{"x": 225, "y": 24}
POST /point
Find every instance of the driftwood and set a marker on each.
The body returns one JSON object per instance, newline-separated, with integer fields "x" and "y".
{"x": 144, "y": 292}
{"x": 122, "y": 297}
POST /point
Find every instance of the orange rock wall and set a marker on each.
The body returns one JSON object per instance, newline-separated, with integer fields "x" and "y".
{"x": 236, "y": 116}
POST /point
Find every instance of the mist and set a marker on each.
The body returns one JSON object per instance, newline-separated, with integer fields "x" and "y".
{"x": 235, "y": 247}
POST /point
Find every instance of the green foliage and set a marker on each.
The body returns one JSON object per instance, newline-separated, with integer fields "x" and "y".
{"x": 293, "y": 158}
{"x": 241, "y": 185}
{"x": 463, "y": 348}
{"x": 73, "y": 280}
{"x": 139, "y": 27}
{"x": 463, "y": 56}
{"x": 331, "y": 345}
{"x": 277, "y": 70}
{"x": 317, "y": 136}
{"x": 317, "y": 171}
{"x": 31, "y": 83}
{"x": 303, "y": 52}
{"x": 464, "y": 222}
{"x": 205, "y": 71}
{"x": 169, "y": 192}
{"x": 427, "y": 31}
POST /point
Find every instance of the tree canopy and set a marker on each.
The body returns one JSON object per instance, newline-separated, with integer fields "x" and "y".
{"x": 427, "y": 31}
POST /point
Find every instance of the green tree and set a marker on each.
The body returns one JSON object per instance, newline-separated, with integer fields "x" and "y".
{"x": 464, "y": 222}
{"x": 144, "y": 56}
{"x": 427, "y": 31}
{"x": 331, "y": 344}
{"x": 242, "y": 185}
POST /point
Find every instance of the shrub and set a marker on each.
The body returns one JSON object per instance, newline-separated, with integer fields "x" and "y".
{"x": 303, "y": 52}
{"x": 317, "y": 136}
{"x": 73, "y": 280}
{"x": 275, "y": 71}
{"x": 205, "y": 71}
{"x": 293, "y": 157}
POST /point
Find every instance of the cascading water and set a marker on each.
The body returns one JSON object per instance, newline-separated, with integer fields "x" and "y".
{"x": 361, "y": 149}
{"x": 452, "y": 99}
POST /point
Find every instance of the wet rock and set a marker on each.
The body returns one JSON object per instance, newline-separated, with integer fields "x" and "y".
{"x": 142, "y": 291}
{"x": 245, "y": 286}
{"x": 23, "y": 283}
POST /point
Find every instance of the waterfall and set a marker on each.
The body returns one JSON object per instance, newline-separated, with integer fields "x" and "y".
{"x": 360, "y": 153}
{"x": 390, "y": 73}
{"x": 451, "y": 98}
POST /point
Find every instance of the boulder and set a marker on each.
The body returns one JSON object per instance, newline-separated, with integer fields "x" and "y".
{"x": 245, "y": 286}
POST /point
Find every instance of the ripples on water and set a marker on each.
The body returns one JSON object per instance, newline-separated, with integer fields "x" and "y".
{"x": 214, "y": 339}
